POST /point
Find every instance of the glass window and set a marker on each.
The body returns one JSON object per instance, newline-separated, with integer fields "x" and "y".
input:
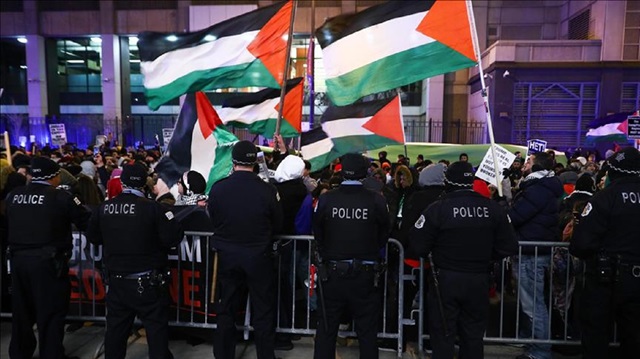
{"x": 13, "y": 72}
{"x": 80, "y": 65}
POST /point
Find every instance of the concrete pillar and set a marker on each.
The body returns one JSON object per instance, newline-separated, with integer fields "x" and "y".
{"x": 433, "y": 105}
{"x": 36, "y": 76}
{"x": 111, "y": 80}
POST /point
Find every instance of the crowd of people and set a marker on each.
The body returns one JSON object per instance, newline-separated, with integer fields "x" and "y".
{"x": 436, "y": 209}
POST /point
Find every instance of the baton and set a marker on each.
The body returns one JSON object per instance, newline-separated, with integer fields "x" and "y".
{"x": 214, "y": 278}
{"x": 436, "y": 285}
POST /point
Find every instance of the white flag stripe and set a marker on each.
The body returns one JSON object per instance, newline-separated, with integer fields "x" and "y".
{"x": 226, "y": 51}
{"x": 316, "y": 149}
{"x": 604, "y": 130}
{"x": 249, "y": 114}
{"x": 346, "y": 127}
{"x": 203, "y": 151}
{"x": 373, "y": 43}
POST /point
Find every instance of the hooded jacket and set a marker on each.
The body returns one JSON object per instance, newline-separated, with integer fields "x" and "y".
{"x": 534, "y": 213}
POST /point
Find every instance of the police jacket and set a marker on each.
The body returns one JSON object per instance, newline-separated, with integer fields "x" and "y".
{"x": 40, "y": 215}
{"x": 610, "y": 222}
{"x": 464, "y": 230}
{"x": 244, "y": 210}
{"x": 136, "y": 232}
{"x": 351, "y": 222}
{"x": 534, "y": 212}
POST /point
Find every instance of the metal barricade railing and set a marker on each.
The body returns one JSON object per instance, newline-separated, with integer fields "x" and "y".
{"x": 192, "y": 278}
{"x": 558, "y": 276}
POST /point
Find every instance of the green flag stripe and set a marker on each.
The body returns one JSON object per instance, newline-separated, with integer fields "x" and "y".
{"x": 238, "y": 76}
{"x": 267, "y": 127}
{"x": 394, "y": 71}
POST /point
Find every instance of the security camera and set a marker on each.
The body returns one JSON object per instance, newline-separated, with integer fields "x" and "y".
{"x": 506, "y": 73}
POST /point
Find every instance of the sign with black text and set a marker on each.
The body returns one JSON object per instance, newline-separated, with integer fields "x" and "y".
{"x": 58, "y": 134}
{"x": 486, "y": 170}
{"x": 633, "y": 127}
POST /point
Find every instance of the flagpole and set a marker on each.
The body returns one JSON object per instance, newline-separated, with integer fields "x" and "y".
{"x": 404, "y": 135}
{"x": 485, "y": 98}
{"x": 283, "y": 89}
{"x": 311, "y": 66}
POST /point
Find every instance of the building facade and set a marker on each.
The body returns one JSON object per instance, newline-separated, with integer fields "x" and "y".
{"x": 550, "y": 66}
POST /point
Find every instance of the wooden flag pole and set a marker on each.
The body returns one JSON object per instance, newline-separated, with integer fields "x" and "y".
{"x": 485, "y": 97}
{"x": 283, "y": 89}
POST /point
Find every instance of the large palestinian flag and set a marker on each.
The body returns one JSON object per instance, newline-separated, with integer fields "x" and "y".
{"x": 247, "y": 50}
{"x": 259, "y": 111}
{"x": 200, "y": 142}
{"x": 354, "y": 128}
{"x": 392, "y": 45}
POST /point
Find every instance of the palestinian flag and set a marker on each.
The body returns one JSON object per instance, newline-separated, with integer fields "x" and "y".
{"x": 317, "y": 148}
{"x": 394, "y": 44}
{"x": 200, "y": 142}
{"x": 247, "y": 50}
{"x": 364, "y": 126}
{"x": 611, "y": 128}
{"x": 259, "y": 111}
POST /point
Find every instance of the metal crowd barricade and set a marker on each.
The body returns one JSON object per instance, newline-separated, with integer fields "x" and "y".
{"x": 192, "y": 272}
{"x": 505, "y": 320}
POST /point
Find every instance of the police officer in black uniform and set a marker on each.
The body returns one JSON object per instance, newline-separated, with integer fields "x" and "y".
{"x": 607, "y": 236}
{"x": 351, "y": 225}
{"x": 136, "y": 234}
{"x": 39, "y": 223}
{"x": 463, "y": 231}
{"x": 245, "y": 212}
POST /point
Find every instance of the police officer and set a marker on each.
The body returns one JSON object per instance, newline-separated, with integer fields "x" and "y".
{"x": 607, "y": 236}
{"x": 39, "y": 224}
{"x": 245, "y": 212}
{"x": 463, "y": 231}
{"x": 351, "y": 225}
{"x": 136, "y": 234}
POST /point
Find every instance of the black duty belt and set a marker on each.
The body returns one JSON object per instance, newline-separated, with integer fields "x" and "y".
{"x": 136, "y": 276}
{"x": 633, "y": 269}
{"x": 352, "y": 265}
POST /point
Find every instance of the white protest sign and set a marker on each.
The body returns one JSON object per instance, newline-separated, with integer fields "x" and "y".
{"x": 166, "y": 135}
{"x": 58, "y": 134}
{"x": 486, "y": 170}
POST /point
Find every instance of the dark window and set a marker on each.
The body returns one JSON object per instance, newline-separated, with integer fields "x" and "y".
{"x": 13, "y": 72}
{"x": 579, "y": 26}
{"x": 79, "y": 69}
{"x": 146, "y": 5}
{"x": 11, "y": 6}
{"x": 62, "y": 5}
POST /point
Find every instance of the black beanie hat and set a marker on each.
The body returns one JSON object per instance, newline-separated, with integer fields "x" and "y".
{"x": 586, "y": 183}
{"x": 244, "y": 153}
{"x": 354, "y": 166}
{"x": 459, "y": 174}
{"x": 134, "y": 175}
{"x": 193, "y": 182}
{"x": 43, "y": 168}
{"x": 625, "y": 162}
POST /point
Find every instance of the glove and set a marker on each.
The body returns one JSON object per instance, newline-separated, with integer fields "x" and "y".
{"x": 506, "y": 172}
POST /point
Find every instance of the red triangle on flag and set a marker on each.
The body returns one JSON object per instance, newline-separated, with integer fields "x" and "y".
{"x": 208, "y": 118}
{"x": 292, "y": 112}
{"x": 270, "y": 45}
{"x": 388, "y": 122}
{"x": 448, "y": 23}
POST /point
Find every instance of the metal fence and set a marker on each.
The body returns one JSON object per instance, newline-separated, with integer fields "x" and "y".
{"x": 192, "y": 288}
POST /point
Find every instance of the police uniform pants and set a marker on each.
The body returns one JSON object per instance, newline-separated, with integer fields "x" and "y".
{"x": 124, "y": 303}
{"x": 356, "y": 294}
{"x": 240, "y": 267}
{"x": 465, "y": 301}
{"x": 40, "y": 297}
{"x": 601, "y": 304}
